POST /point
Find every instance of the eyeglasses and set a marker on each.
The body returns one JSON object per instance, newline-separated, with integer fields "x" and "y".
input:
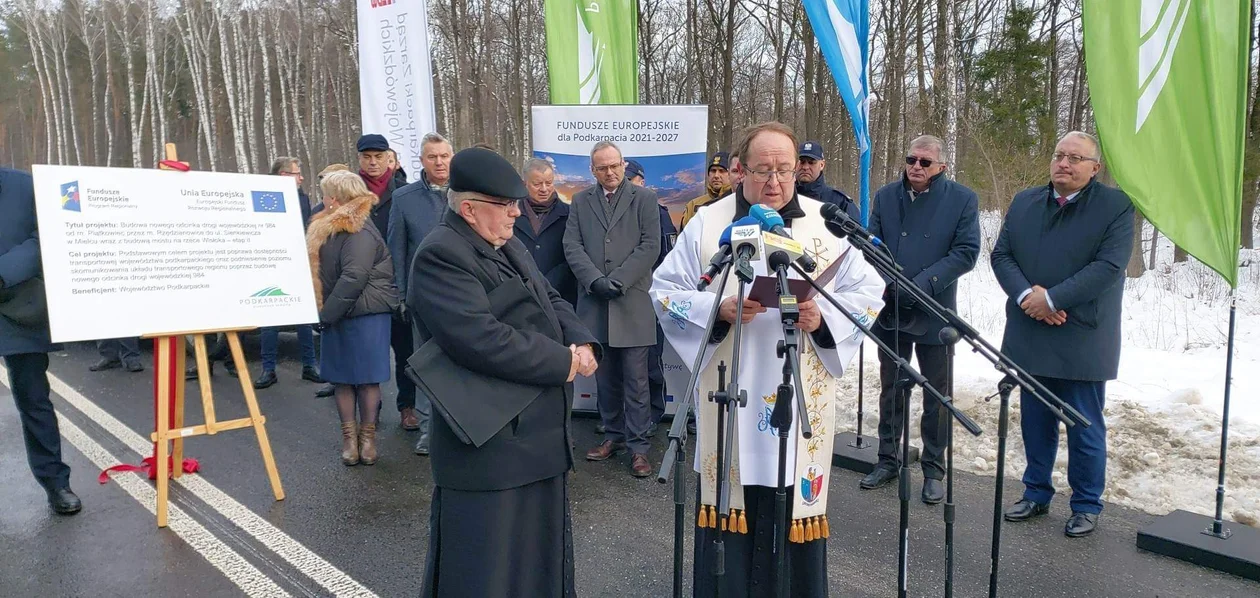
{"x": 783, "y": 176}
{"x": 506, "y": 205}
{"x": 609, "y": 167}
{"x": 924, "y": 162}
{"x": 1072, "y": 159}
{"x": 298, "y": 173}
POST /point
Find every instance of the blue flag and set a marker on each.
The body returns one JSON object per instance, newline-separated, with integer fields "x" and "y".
{"x": 268, "y": 201}
{"x": 842, "y": 28}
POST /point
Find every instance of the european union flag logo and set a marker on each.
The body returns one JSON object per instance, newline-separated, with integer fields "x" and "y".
{"x": 268, "y": 201}
{"x": 70, "y": 197}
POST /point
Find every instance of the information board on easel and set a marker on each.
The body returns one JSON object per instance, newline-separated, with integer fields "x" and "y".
{"x": 173, "y": 254}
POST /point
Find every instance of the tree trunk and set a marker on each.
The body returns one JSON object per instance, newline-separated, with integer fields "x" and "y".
{"x": 1136, "y": 266}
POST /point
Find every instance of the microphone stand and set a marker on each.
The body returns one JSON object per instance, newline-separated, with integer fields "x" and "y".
{"x": 781, "y": 417}
{"x": 675, "y": 455}
{"x": 733, "y": 397}
{"x": 1013, "y": 374}
{"x": 1004, "y": 390}
{"x": 949, "y": 337}
{"x": 911, "y": 378}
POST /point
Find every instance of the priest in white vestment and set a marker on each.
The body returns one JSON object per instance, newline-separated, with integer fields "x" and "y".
{"x": 767, "y": 165}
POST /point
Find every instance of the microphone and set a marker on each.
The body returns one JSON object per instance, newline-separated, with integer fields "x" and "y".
{"x": 771, "y": 221}
{"x": 776, "y": 244}
{"x": 746, "y": 241}
{"x": 723, "y": 254}
{"x": 840, "y": 224}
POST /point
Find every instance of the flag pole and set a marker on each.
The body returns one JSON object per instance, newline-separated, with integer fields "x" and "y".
{"x": 1218, "y": 528}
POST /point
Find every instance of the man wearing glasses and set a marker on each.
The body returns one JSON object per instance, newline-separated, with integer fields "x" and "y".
{"x": 932, "y": 227}
{"x": 1060, "y": 258}
{"x": 828, "y": 342}
{"x": 611, "y": 241}
{"x": 270, "y": 337}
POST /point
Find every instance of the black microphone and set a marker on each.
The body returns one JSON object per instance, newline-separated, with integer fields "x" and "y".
{"x": 840, "y": 224}
{"x": 723, "y": 254}
{"x": 771, "y": 221}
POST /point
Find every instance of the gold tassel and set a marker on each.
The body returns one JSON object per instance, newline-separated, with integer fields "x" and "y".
{"x": 713, "y": 518}
{"x": 743, "y": 523}
{"x": 826, "y": 531}
{"x": 817, "y": 529}
{"x": 722, "y": 523}
{"x": 800, "y": 531}
{"x": 794, "y": 536}
{"x": 811, "y": 530}
{"x": 704, "y": 518}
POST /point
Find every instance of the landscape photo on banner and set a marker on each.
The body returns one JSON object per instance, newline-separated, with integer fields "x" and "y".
{"x": 670, "y": 142}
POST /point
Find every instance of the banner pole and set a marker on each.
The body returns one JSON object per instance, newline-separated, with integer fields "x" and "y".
{"x": 1218, "y": 527}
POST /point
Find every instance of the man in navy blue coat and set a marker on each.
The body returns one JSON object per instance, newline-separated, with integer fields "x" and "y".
{"x": 417, "y": 209}
{"x": 541, "y": 227}
{"x": 25, "y": 350}
{"x": 932, "y": 227}
{"x": 811, "y": 182}
{"x": 1060, "y": 258}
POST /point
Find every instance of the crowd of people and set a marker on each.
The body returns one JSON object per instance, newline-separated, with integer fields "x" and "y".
{"x": 481, "y": 283}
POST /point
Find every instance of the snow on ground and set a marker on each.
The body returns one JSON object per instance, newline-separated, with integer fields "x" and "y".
{"x": 1163, "y": 412}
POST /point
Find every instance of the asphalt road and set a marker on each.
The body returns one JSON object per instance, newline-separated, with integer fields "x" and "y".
{"x": 363, "y": 530}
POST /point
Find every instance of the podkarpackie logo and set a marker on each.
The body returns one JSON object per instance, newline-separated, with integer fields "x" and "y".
{"x": 269, "y": 297}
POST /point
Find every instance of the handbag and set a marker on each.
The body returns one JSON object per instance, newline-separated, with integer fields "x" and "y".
{"x": 25, "y": 303}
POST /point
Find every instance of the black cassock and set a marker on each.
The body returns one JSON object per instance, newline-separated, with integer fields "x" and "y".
{"x": 500, "y": 522}
{"x": 750, "y": 558}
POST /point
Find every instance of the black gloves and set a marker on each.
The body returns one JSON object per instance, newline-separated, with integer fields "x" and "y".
{"x": 606, "y": 288}
{"x": 896, "y": 295}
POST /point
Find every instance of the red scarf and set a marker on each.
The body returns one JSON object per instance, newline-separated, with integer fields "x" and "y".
{"x": 377, "y": 185}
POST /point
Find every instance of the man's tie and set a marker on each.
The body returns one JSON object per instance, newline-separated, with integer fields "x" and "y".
{"x": 608, "y": 197}
{"x": 1062, "y": 200}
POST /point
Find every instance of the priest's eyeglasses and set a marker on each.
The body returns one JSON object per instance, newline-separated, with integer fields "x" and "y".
{"x": 1072, "y": 159}
{"x": 783, "y": 176}
{"x": 506, "y": 204}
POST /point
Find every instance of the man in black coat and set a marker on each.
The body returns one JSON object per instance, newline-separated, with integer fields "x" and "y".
{"x": 374, "y": 168}
{"x": 24, "y": 348}
{"x": 500, "y": 523}
{"x": 932, "y": 227}
{"x": 1060, "y": 258}
{"x": 810, "y": 181}
{"x": 417, "y": 209}
{"x": 540, "y": 227}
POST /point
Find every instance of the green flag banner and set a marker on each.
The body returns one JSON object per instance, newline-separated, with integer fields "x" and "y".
{"x": 592, "y": 51}
{"x": 1168, "y": 83}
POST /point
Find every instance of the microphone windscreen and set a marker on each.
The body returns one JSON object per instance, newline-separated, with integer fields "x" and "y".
{"x": 768, "y": 218}
{"x": 830, "y": 210}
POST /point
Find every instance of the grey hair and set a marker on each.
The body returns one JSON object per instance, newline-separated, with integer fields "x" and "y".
{"x": 433, "y": 138}
{"x": 1086, "y": 137}
{"x": 931, "y": 142}
{"x": 455, "y": 198}
{"x": 283, "y": 162}
{"x": 603, "y": 145}
{"x": 537, "y": 165}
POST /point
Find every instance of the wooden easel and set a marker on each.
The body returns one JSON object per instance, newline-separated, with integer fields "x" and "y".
{"x": 169, "y": 385}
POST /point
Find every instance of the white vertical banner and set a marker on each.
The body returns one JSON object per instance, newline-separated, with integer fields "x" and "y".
{"x": 395, "y": 76}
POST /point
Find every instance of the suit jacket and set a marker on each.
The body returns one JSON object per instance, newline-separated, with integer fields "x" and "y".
{"x": 623, "y": 248}
{"x": 1078, "y": 252}
{"x": 19, "y": 258}
{"x": 547, "y": 248}
{"x": 414, "y": 212}
{"x": 935, "y": 239}
{"x": 456, "y": 312}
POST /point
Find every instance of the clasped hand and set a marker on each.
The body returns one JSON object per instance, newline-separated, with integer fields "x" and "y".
{"x": 583, "y": 361}
{"x": 1037, "y": 307}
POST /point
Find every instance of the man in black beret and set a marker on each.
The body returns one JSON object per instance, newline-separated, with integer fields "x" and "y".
{"x": 499, "y": 349}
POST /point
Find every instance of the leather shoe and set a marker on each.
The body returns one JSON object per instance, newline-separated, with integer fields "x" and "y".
{"x": 933, "y": 491}
{"x": 422, "y": 445}
{"x": 325, "y": 392}
{"x": 310, "y": 374}
{"x": 64, "y": 501}
{"x": 133, "y": 365}
{"x": 265, "y": 379}
{"x": 639, "y": 466}
{"x": 105, "y": 364}
{"x": 410, "y": 421}
{"x": 1024, "y": 510}
{"x": 605, "y": 450}
{"x": 1081, "y": 525}
{"x": 881, "y": 476}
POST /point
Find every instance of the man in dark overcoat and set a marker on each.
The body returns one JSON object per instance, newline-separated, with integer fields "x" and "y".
{"x": 1060, "y": 258}
{"x": 25, "y": 347}
{"x": 932, "y": 227}
{"x": 500, "y": 523}
{"x": 541, "y": 227}
{"x": 611, "y": 241}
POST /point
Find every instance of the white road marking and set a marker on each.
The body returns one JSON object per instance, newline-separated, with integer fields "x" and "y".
{"x": 246, "y": 577}
{"x": 300, "y": 557}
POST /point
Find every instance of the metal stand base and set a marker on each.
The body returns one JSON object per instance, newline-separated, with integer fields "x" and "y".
{"x": 1187, "y": 536}
{"x": 847, "y": 455}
